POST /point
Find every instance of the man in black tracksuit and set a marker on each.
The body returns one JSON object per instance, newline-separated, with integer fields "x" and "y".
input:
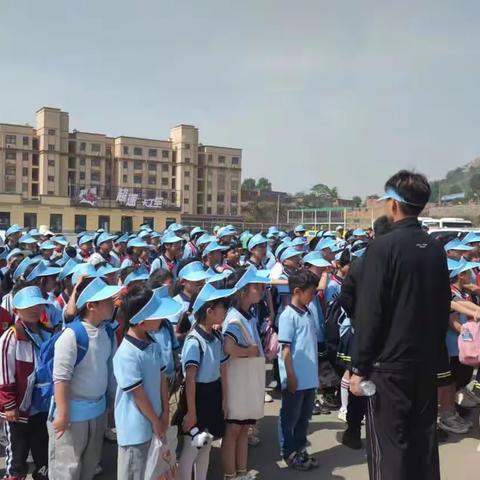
{"x": 401, "y": 321}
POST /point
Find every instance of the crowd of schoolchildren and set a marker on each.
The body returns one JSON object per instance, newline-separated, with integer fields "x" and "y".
{"x": 158, "y": 341}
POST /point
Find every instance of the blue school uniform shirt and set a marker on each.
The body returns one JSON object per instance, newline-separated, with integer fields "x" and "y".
{"x": 183, "y": 300}
{"x": 235, "y": 332}
{"x": 334, "y": 287}
{"x": 205, "y": 351}
{"x": 136, "y": 364}
{"x": 167, "y": 340}
{"x": 297, "y": 328}
{"x": 315, "y": 307}
{"x": 452, "y": 335}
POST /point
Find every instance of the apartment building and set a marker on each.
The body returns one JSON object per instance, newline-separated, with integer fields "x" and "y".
{"x": 95, "y": 171}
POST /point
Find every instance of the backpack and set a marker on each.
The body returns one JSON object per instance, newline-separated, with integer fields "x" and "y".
{"x": 469, "y": 344}
{"x": 43, "y": 389}
{"x": 334, "y": 316}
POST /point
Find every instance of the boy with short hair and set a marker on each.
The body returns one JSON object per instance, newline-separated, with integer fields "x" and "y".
{"x": 80, "y": 408}
{"x": 298, "y": 362}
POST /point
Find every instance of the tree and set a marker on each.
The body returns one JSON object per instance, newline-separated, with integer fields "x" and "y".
{"x": 357, "y": 201}
{"x": 323, "y": 194}
{"x": 248, "y": 184}
{"x": 455, "y": 189}
{"x": 264, "y": 185}
{"x": 475, "y": 182}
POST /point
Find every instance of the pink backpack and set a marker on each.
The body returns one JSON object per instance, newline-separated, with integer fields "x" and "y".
{"x": 271, "y": 346}
{"x": 469, "y": 344}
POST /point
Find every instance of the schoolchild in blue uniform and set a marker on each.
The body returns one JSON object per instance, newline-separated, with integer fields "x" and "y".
{"x": 204, "y": 366}
{"x": 191, "y": 248}
{"x": 141, "y": 404}
{"x": 212, "y": 257}
{"x": 298, "y": 361}
{"x": 172, "y": 251}
{"x": 242, "y": 340}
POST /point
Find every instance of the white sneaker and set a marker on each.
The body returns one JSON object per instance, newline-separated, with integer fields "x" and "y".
{"x": 342, "y": 415}
{"x": 268, "y": 398}
{"x": 464, "y": 399}
{"x": 453, "y": 424}
{"x": 475, "y": 395}
{"x": 111, "y": 434}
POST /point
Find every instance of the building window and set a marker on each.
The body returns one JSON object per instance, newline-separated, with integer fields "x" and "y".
{"x": 125, "y": 150}
{"x": 187, "y": 146}
{"x": 138, "y": 165}
{"x": 210, "y": 158}
{"x": 186, "y": 188}
{"x": 137, "y": 179}
{"x": 209, "y": 210}
{"x": 82, "y": 175}
{"x": 10, "y": 140}
{"x": 80, "y": 223}
{"x": 51, "y": 163}
{"x": 234, "y": 211}
{"x": 95, "y": 147}
{"x": 55, "y": 222}
{"x": 164, "y": 181}
{"x": 71, "y": 178}
{"x": 51, "y": 131}
{"x": 35, "y": 190}
{"x": 137, "y": 151}
{"x": 234, "y": 198}
{"x": 29, "y": 220}
{"x": 26, "y": 141}
{"x": 72, "y": 162}
{"x": 209, "y": 197}
{"x": 187, "y": 173}
{"x": 220, "y": 210}
{"x": 127, "y": 224}
{"x": 11, "y": 155}
{"x": 152, "y": 167}
{"x": 82, "y": 162}
{"x": 95, "y": 176}
{"x": 185, "y": 201}
{"x": 148, "y": 221}
{"x": 125, "y": 164}
{"x": 104, "y": 222}
{"x": 221, "y": 159}
{"x": 187, "y": 159}
{"x": 152, "y": 152}
{"x": 35, "y": 159}
{"x": 221, "y": 182}
{"x": 165, "y": 167}
{"x": 51, "y": 178}
{"x": 51, "y": 148}
{"x": 35, "y": 174}
{"x": 165, "y": 153}
{"x": 221, "y": 197}
{"x": 25, "y": 156}
{"x": 25, "y": 171}
{"x": 201, "y": 159}
{"x": 4, "y": 220}
{"x": 10, "y": 171}
{"x": 95, "y": 162}
{"x": 152, "y": 180}
{"x": 83, "y": 146}
{"x": 199, "y": 210}
{"x": 235, "y": 160}
{"x": 125, "y": 179}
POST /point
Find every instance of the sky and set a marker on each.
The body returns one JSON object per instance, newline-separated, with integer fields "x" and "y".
{"x": 342, "y": 92}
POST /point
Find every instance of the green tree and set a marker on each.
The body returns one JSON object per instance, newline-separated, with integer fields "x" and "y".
{"x": 357, "y": 201}
{"x": 475, "y": 182}
{"x": 324, "y": 193}
{"x": 248, "y": 184}
{"x": 264, "y": 185}
{"x": 455, "y": 189}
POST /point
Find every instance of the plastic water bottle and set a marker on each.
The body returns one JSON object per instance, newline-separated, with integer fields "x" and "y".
{"x": 368, "y": 388}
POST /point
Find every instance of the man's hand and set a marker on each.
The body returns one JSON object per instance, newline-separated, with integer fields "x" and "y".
{"x": 61, "y": 425}
{"x": 11, "y": 415}
{"x": 355, "y": 388}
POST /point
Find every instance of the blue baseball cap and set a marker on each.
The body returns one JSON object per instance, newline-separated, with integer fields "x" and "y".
{"x": 256, "y": 240}
{"x": 160, "y": 306}
{"x": 28, "y": 297}
{"x": 68, "y": 268}
{"x": 315, "y": 258}
{"x": 15, "y": 253}
{"x": 47, "y": 245}
{"x": 137, "y": 242}
{"x": 213, "y": 247}
{"x": 61, "y": 240}
{"x": 104, "y": 237}
{"x": 42, "y": 270}
{"x": 96, "y": 291}
{"x": 300, "y": 228}
{"x": 122, "y": 239}
{"x": 171, "y": 238}
{"x": 391, "y": 194}
{"x": 252, "y": 275}
{"x": 196, "y": 231}
{"x": 140, "y": 273}
{"x": 13, "y": 229}
{"x": 26, "y": 238}
{"x": 85, "y": 239}
{"x": 456, "y": 244}
{"x": 193, "y": 272}
{"x": 289, "y": 253}
{"x": 84, "y": 270}
{"x": 209, "y": 293}
{"x": 22, "y": 266}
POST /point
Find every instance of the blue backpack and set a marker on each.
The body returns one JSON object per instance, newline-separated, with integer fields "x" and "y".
{"x": 43, "y": 389}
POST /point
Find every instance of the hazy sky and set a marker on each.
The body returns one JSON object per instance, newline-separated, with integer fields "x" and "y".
{"x": 338, "y": 92}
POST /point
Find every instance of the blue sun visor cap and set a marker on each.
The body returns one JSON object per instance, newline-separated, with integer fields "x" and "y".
{"x": 464, "y": 266}
{"x": 326, "y": 243}
{"x": 137, "y": 242}
{"x": 282, "y": 234}
{"x": 22, "y": 266}
{"x": 85, "y": 239}
{"x": 226, "y": 232}
{"x": 34, "y": 232}
{"x": 15, "y": 253}
{"x": 27, "y": 239}
{"x": 175, "y": 227}
{"x": 471, "y": 237}
{"x": 47, "y": 245}
{"x": 300, "y": 228}
{"x": 204, "y": 239}
{"x": 13, "y": 229}
{"x": 68, "y": 269}
{"x": 144, "y": 233}
{"x": 289, "y": 253}
{"x": 252, "y": 275}
{"x": 216, "y": 277}
{"x": 213, "y": 247}
{"x": 84, "y": 270}
{"x": 160, "y": 306}
{"x": 273, "y": 230}
{"x": 28, "y": 297}
{"x": 196, "y": 231}
{"x": 107, "y": 269}
{"x": 280, "y": 249}
{"x": 96, "y": 291}
{"x": 256, "y": 240}
{"x": 61, "y": 240}
{"x": 286, "y": 240}
{"x": 42, "y": 270}
{"x": 391, "y": 194}
{"x": 171, "y": 238}
{"x": 122, "y": 239}
{"x": 359, "y": 253}
{"x": 452, "y": 264}
{"x": 244, "y": 234}
{"x": 139, "y": 274}
{"x": 456, "y": 244}
{"x": 193, "y": 272}
{"x": 296, "y": 242}
{"x": 359, "y": 232}
{"x": 209, "y": 293}
{"x": 316, "y": 259}
{"x": 104, "y": 237}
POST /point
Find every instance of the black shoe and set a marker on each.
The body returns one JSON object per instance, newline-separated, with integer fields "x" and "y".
{"x": 330, "y": 401}
{"x": 320, "y": 409}
{"x": 442, "y": 435}
{"x": 352, "y": 440}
